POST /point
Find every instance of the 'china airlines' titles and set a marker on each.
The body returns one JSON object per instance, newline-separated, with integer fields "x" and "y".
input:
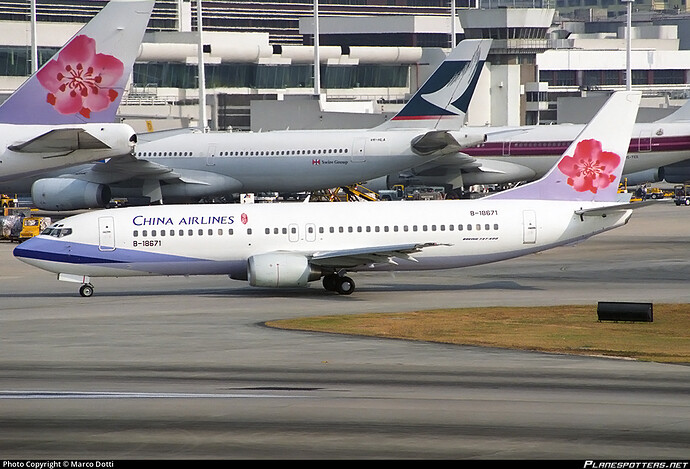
{"x": 141, "y": 220}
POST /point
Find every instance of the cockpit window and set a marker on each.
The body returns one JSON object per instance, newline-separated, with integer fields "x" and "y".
{"x": 56, "y": 232}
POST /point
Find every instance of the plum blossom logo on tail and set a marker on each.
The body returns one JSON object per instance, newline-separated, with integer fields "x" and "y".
{"x": 80, "y": 80}
{"x": 590, "y": 168}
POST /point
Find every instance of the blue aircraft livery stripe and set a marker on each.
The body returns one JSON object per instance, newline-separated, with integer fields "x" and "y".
{"x": 77, "y": 253}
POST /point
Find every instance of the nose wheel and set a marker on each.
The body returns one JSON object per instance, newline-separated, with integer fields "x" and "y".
{"x": 86, "y": 290}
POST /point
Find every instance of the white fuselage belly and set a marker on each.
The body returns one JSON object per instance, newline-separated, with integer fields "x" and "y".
{"x": 218, "y": 239}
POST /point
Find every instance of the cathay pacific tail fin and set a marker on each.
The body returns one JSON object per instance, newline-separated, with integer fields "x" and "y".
{"x": 442, "y": 102}
{"x": 84, "y": 82}
{"x": 591, "y": 167}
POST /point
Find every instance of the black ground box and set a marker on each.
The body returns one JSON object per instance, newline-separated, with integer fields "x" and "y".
{"x": 624, "y": 311}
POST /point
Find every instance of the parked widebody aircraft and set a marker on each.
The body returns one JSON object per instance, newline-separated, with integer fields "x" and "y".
{"x": 64, "y": 114}
{"x": 290, "y": 245}
{"x": 516, "y": 154}
{"x": 188, "y": 167}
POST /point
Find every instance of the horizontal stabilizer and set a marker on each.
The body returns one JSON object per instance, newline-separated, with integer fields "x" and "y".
{"x": 60, "y": 140}
{"x": 601, "y": 211}
{"x": 682, "y": 114}
{"x": 146, "y": 137}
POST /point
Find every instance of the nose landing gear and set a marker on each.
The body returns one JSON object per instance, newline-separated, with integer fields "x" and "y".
{"x": 86, "y": 290}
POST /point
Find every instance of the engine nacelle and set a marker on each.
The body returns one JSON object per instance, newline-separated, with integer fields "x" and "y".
{"x": 69, "y": 194}
{"x": 280, "y": 270}
{"x": 676, "y": 173}
{"x": 643, "y": 177}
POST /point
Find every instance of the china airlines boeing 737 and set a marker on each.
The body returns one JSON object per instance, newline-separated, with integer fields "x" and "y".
{"x": 64, "y": 114}
{"x": 292, "y": 244}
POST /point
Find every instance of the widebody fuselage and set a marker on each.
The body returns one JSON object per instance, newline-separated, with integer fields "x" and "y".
{"x": 652, "y": 145}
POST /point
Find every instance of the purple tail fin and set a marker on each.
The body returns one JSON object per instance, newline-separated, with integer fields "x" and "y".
{"x": 591, "y": 167}
{"x": 84, "y": 82}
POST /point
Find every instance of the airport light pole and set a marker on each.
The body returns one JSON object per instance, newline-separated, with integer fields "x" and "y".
{"x": 34, "y": 44}
{"x": 628, "y": 45}
{"x": 317, "y": 60}
{"x": 453, "y": 33}
{"x": 201, "y": 72}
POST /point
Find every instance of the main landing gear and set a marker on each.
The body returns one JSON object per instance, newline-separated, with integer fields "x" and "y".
{"x": 86, "y": 290}
{"x": 343, "y": 285}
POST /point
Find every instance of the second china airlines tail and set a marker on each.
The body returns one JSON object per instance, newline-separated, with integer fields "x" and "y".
{"x": 84, "y": 82}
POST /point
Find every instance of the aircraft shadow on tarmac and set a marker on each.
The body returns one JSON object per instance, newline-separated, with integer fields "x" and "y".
{"x": 302, "y": 293}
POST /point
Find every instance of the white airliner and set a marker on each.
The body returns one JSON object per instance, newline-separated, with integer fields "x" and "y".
{"x": 190, "y": 166}
{"x": 292, "y": 244}
{"x": 514, "y": 154}
{"x": 64, "y": 114}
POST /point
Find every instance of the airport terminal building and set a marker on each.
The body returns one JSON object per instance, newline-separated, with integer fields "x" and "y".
{"x": 258, "y": 59}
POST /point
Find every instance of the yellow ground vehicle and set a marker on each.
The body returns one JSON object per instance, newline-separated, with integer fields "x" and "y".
{"x": 32, "y": 226}
{"x": 21, "y": 224}
{"x": 7, "y": 203}
{"x": 655, "y": 193}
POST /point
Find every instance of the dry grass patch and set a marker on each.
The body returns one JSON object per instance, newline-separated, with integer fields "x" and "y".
{"x": 558, "y": 329}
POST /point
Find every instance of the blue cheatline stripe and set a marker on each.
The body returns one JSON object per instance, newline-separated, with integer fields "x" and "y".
{"x": 66, "y": 252}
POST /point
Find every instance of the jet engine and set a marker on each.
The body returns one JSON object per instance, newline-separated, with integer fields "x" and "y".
{"x": 676, "y": 173}
{"x": 642, "y": 177}
{"x": 69, "y": 194}
{"x": 281, "y": 269}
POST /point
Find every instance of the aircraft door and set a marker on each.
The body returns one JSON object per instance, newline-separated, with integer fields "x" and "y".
{"x": 529, "y": 227}
{"x": 106, "y": 234}
{"x": 506, "y": 148}
{"x": 358, "y": 153}
{"x": 645, "y": 140}
{"x": 211, "y": 155}
{"x": 310, "y": 232}
{"x": 293, "y": 232}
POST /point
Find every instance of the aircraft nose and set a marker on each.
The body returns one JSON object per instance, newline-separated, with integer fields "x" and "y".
{"x": 26, "y": 250}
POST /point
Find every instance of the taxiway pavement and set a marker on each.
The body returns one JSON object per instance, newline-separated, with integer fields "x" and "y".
{"x": 175, "y": 368}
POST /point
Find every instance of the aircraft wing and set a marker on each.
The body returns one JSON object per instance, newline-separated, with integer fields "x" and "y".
{"x": 349, "y": 258}
{"x": 60, "y": 140}
{"x": 127, "y": 167}
{"x": 447, "y": 164}
{"x": 450, "y": 169}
